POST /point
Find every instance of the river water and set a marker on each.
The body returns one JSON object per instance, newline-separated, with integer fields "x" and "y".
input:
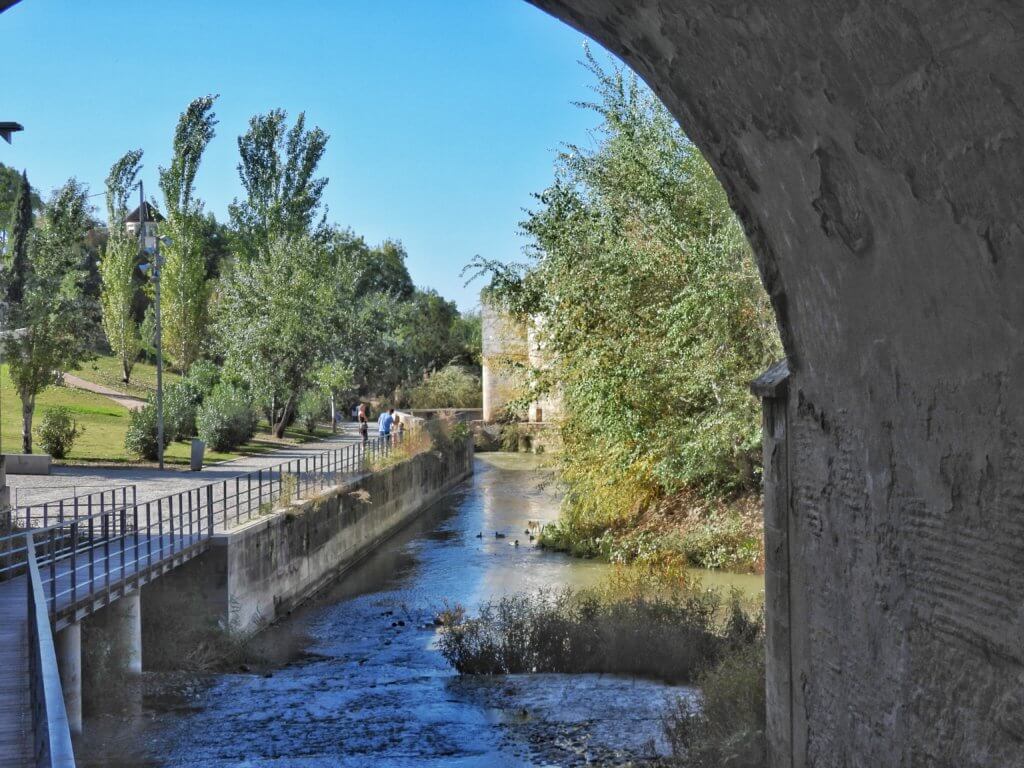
{"x": 360, "y": 682}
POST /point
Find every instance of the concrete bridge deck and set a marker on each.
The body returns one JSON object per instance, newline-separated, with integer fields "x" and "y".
{"x": 15, "y": 720}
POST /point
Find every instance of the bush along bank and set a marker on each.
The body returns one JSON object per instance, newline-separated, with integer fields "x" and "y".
{"x": 649, "y": 628}
{"x": 679, "y": 530}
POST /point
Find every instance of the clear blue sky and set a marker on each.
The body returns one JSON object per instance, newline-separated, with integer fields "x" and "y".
{"x": 444, "y": 115}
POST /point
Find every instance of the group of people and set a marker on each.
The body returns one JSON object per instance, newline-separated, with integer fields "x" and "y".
{"x": 388, "y": 423}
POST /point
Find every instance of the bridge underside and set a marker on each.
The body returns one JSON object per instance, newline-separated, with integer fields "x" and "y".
{"x": 873, "y": 153}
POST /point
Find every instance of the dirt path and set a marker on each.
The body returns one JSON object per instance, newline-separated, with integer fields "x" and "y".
{"x": 128, "y": 401}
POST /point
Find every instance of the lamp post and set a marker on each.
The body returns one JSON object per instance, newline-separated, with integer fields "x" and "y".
{"x": 151, "y": 247}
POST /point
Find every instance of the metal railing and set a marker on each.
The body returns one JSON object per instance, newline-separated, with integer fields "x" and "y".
{"x": 95, "y": 555}
{"x": 75, "y": 558}
{"x": 40, "y": 515}
{"x": 51, "y": 733}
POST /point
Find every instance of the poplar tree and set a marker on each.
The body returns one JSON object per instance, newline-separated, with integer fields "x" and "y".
{"x": 185, "y": 287}
{"x": 277, "y": 169}
{"x": 53, "y": 317}
{"x": 20, "y": 229}
{"x": 117, "y": 266}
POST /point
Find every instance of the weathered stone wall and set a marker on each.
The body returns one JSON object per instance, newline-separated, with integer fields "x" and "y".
{"x": 871, "y": 152}
{"x": 504, "y": 346}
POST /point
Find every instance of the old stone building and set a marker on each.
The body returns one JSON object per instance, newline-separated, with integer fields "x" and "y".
{"x": 511, "y": 348}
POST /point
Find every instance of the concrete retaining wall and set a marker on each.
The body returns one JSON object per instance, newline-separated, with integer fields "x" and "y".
{"x": 27, "y": 463}
{"x": 261, "y": 571}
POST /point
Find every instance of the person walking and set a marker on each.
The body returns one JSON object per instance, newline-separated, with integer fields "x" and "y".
{"x": 364, "y": 424}
{"x": 385, "y": 423}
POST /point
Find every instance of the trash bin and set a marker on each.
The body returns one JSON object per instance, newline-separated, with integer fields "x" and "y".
{"x": 198, "y": 449}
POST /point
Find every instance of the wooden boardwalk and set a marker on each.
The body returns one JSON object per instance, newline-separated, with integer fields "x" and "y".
{"x": 15, "y": 720}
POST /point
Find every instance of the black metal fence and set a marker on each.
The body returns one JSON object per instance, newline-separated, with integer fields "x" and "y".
{"x": 91, "y": 553}
{"x": 41, "y": 514}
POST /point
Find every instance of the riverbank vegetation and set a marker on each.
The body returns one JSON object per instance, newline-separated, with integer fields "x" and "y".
{"x": 661, "y": 435}
{"x": 643, "y": 622}
{"x": 670, "y": 635}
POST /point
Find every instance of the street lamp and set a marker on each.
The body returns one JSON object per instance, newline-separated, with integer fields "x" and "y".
{"x": 151, "y": 247}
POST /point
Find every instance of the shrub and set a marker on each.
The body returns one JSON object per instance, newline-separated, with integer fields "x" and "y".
{"x": 723, "y": 541}
{"x": 452, "y": 387}
{"x": 181, "y": 402}
{"x": 665, "y": 635}
{"x": 729, "y": 727}
{"x": 203, "y": 376}
{"x": 140, "y": 438}
{"x": 57, "y": 432}
{"x": 314, "y": 405}
{"x": 226, "y": 418}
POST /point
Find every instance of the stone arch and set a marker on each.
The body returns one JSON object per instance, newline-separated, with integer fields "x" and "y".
{"x": 872, "y": 151}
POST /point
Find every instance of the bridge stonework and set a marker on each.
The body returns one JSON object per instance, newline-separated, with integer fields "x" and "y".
{"x": 871, "y": 151}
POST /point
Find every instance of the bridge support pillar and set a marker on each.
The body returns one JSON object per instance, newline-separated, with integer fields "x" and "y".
{"x": 124, "y": 622}
{"x": 69, "y": 662}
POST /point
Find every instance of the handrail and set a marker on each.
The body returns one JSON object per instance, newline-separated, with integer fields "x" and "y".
{"x": 24, "y": 515}
{"x": 80, "y": 557}
{"x": 52, "y": 746}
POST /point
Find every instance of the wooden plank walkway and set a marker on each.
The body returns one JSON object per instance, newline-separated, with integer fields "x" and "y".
{"x": 15, "y": 720}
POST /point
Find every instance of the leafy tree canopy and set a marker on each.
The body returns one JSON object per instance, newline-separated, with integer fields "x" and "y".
{"x": 278, "y": 172}
{"x": 653, "y": 314}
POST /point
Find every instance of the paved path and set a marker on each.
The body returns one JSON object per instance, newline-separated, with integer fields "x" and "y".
{"x": 128, "y": 401}
{"x": 15, "y": 724}
{"x": 152, "y": 483}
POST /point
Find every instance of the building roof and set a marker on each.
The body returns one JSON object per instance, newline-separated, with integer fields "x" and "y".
{"x": 152, "y": 214}
{"x": 8, "y": 128}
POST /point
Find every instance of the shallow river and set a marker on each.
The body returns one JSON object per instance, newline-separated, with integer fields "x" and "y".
{"x": 361, "y": 683}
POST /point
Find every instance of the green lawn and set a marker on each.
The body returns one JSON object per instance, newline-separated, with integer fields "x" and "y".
{"x": 106, "y": 422}
{"x": 106, "y": 370}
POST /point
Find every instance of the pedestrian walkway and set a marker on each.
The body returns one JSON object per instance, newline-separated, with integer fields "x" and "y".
{"x": 128, "y": 401}
{"x": 15, "y": 722}
{"x": 153, "y": 483}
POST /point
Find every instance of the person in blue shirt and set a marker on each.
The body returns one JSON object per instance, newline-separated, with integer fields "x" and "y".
{"x": 385, "y": 422}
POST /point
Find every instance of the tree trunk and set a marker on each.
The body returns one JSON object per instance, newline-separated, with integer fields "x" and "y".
{"x": 28, "y": 407}
{"x": 334, "y": 417}
{"x": 282, "y": 425}
{"x": 126, "y": 369}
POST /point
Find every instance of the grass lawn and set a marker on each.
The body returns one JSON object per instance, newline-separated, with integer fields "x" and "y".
{"x": 106, "y": 422}
{"x": 106, "y": 370}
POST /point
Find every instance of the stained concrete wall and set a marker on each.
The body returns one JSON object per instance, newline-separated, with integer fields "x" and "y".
{"x": 261, "y": 571}
{"x": 870, "y": 151}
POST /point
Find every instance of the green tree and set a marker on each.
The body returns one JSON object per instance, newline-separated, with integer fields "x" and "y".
{"x": 10, "y": 184}
{"x": 185, "y": 288}
{"x": 53, "y": 317}
{"x": 21, "y": 227}
{"x": 383, "y": 270}
{"x": 467, "y": 339}
{"x": 654, "y": 374}
{"x": 277, "y": 169}
{"x": 118, "y": 266}
{"x": 335, "y": 379}
{"x": 274, "y": 322}
{"x": 427, "y": 333}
